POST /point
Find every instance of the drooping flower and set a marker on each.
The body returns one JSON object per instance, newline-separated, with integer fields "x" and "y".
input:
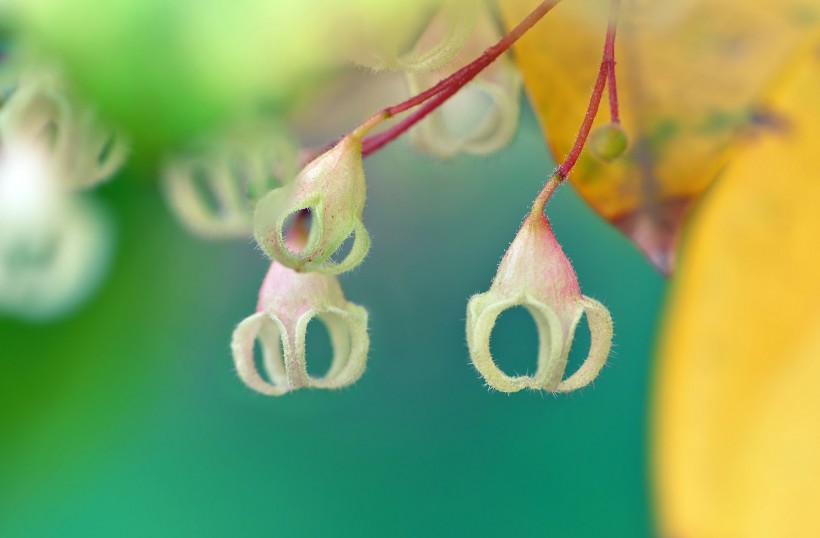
{"x": 54, "y": 244}
{"x": 288, "y": 301}
{"x": 483, "y": 116}
{"x": 332, "y": 189}
{"x": 81, "y": 151}
{"x": 213, "y": 193}
{"x": 535, "y": 273}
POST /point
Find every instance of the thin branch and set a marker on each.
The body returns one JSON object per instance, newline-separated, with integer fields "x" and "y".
{"x": 607, "y": 64}
{"x": 446, "y": 88}
{"x": 605, "y": 71}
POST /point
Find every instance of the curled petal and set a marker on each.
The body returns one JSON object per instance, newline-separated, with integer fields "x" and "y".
{"x": 332, "y": 189}
{"x": 227, "y": 214}
{"x": 600, "y": 328}
{"x": 291, "y": 300}
{"x": 213, "y": 194}
{"x": 348, "y": 336}
{"x": 483, "y": 311}
{"x": 260, "y": 326}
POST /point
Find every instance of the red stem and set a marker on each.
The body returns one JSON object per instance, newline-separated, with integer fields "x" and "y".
{"x": 446, "y": 88}
{"x": 607, "y": 66}
{"x": 611, "y": 79}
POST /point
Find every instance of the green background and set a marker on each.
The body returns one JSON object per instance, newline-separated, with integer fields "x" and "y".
{"x": 127, "y": 419}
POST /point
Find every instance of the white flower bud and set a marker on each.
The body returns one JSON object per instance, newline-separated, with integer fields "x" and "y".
{"x": 54, "y": 245}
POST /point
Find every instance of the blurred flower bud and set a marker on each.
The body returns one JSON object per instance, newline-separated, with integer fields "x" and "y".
{"x": 54, "y": 246}
{"x": 332, "y": 189}
{"x": 39, "y": 111}
{"x": 213, "y": 194}
{"x": 288, "y": 301}
{"x": 536, "y": 273}
{"x": 438, "y": 44}
{"x": 483, "y": 116}
{"x": 608, "y": 142}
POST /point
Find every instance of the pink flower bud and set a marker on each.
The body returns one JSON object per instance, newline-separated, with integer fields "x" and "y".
{"x": 288, "y": 300}
{"x": 332, "y": 187}
{"x": 536, "y": 274}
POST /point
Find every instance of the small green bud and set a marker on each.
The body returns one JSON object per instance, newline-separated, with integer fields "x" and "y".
{"x": 608, "y": 142}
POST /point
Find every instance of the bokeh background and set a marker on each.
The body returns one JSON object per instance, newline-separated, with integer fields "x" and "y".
{"x": 126, "y": 418}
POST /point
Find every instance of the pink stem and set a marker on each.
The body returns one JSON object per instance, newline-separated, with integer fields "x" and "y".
{"x": 607, "y": 65}
{"x": 605, "y": 71}
{"x": 446, "y": 88}
{"x": 611, "y": 79}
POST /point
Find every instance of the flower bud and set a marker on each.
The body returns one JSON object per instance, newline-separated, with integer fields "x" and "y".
{"x": 536, "y": 274}
{"x": 287, "y": 302}
{"x": 608, "y": 142}
{"x": 54, "y": 245}
{"x": 332, "y": 188}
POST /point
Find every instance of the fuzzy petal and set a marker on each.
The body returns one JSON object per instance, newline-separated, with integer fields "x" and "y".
{"x": 268, "y": 330}
{"x": 483, "y": 311}
{"x": 601, "y": 330}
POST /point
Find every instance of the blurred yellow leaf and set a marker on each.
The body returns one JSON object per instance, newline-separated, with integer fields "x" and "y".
{"x": 689, "y": 75}
{"x": 737, "y": 422}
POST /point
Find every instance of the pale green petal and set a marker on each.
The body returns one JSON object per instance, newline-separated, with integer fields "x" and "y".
{"x": 600, "y": 328}
{"x": 483, "y": 311}
{"x": 232, "y": 217}
{"x": 348, "y": 335}
{"x": 269, "y": 332}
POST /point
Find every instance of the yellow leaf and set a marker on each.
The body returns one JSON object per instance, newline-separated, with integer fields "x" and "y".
{"x": 737, "y": 417}
{"x": 689, "y": 74}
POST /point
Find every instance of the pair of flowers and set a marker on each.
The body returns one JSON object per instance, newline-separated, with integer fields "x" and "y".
{"x": 301, "y": 285}
{"x": 330, "y": 192}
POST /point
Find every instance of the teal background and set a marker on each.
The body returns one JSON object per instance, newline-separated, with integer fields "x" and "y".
{"x": 127, "y": 419}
